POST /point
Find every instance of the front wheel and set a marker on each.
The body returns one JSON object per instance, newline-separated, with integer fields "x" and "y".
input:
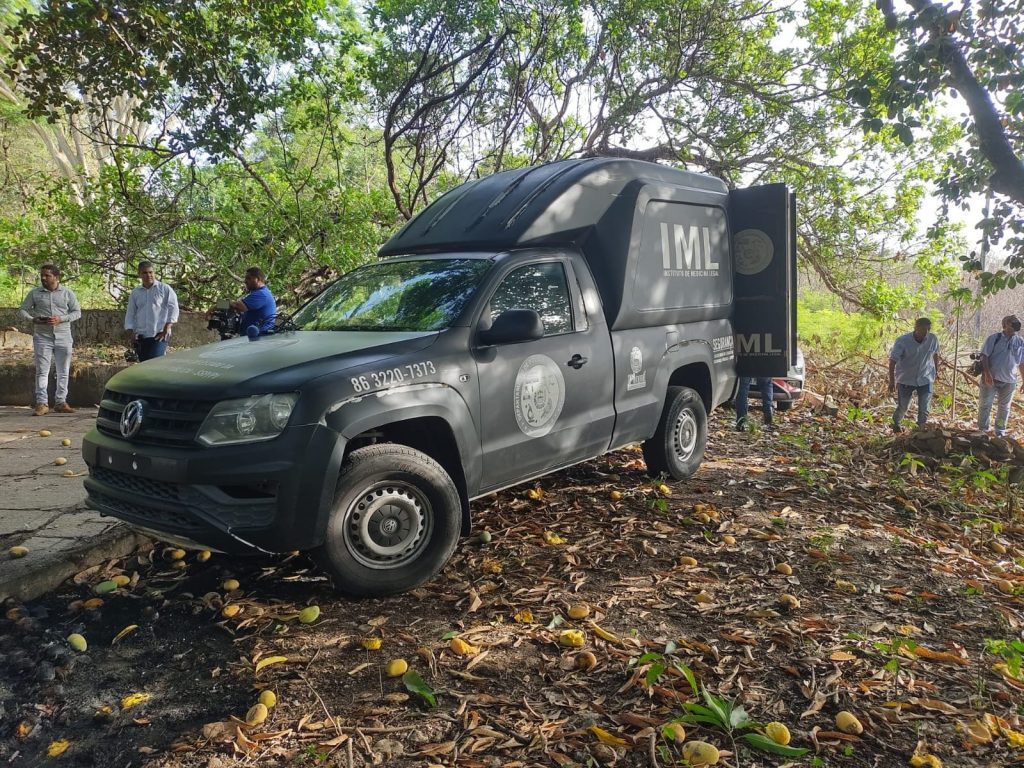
{"x": 677, "y": 447}
{"x": 395, "y": 522}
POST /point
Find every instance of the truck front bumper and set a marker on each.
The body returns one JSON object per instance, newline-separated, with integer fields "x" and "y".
{"x": 273, "y": 496}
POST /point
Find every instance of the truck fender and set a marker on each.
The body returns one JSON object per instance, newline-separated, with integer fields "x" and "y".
{"x": 356, "y": 415}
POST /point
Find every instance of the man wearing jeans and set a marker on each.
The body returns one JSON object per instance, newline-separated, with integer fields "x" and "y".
{"x": 1001, "y": 356}
{"x": 913, "y": 363}
{"x": 765, "y": 387}
{"x": 52, "y": 308}
{"x": 152, "y": 313}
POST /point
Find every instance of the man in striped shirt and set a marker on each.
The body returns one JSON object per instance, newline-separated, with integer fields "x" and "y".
{"x": 52, "y": 308}
{"x": 152, "y": 312}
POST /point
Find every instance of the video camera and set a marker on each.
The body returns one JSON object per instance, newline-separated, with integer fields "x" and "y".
{"x": 224, "y": 320}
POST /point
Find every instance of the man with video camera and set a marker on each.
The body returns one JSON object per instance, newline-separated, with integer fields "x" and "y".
{"x": 257, "y": 308}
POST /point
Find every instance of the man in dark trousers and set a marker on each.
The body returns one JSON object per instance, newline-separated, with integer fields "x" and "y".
{"x": 765, "y": 387}
{"x": 152, "y": 313}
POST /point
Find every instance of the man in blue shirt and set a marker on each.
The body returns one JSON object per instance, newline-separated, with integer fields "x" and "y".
{"x": 257, "y": 306}
{"x": 913, "y": 365}
{"x": 1001, "y": 357}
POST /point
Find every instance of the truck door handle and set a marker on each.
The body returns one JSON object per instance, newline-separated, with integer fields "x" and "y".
{"x": 577, "y": 362}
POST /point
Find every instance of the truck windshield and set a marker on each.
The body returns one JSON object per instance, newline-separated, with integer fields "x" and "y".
{"x": 395, "y": 296}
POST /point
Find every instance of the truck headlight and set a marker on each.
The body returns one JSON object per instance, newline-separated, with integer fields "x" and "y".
{"x": 247, "y": 419}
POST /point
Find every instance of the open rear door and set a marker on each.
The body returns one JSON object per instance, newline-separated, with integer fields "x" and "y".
{"x": 762, "y": 222}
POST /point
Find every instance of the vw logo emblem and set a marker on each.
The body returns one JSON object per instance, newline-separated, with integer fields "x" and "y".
{"x": 131, "y": 418}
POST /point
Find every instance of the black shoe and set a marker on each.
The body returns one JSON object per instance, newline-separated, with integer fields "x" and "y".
{"x": 896, "y": 429}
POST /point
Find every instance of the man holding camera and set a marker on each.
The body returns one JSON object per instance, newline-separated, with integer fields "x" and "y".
{"x": 258, "y": 306}
{"x": 152, "y": 312}
{"x": 1001, "y": 357}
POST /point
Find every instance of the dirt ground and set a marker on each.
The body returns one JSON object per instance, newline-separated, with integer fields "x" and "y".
{"x": 805, "y": 571}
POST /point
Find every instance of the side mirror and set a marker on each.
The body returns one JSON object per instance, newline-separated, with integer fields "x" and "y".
{"x": 513, "y": 326}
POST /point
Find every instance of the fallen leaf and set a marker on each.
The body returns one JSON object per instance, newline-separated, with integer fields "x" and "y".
{"x": 124, "y": 633}
{"x": 133, "y": 700}
{"x": 58, "y": 748}
{"x": 606, "y": 737}
{"x": 266, "y": 662}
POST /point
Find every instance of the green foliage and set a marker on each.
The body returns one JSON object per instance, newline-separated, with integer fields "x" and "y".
{"x": 718, "y": 712}
{"x": 215, "y": 65}
{"x": 829, "y": 331}
{"x": 1010, "y": 651}
{"x": 415, "y": 684}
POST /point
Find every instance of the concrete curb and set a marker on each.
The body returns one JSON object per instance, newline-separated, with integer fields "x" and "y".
{"x": 39, "y": 572}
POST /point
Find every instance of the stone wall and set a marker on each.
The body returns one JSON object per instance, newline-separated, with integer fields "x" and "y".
{"x": 106, "y": 326}
{"x": 85, "y": 385}
{"x": 89, "y": 371}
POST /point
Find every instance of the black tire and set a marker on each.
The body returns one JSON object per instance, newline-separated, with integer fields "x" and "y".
{"x": 677, "y": 447}
{"x": 395, "y": 522}
{"x": 783, "y": 405}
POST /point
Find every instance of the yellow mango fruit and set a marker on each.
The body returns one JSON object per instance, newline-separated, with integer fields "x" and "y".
{"x": 396, "y": 668}
{"x": 586, "y": 661}
{"x": 16, "y": 552}
{"x": 203, "y": 555}
{"x": 230, "y": 585}
{"x": 572, "y": 638}
{"x": 847, "y": 722}
{"x": 1004, "y": 585}
{"x": 674, "y": 731}
{"x": 268, "y": 698}
{"x": 230, "y": 611}
{"x": 579, "y": 611}
{"x": 257, "y": 714}
{"x": 785, "y": 569}
{"x": 700, "y": 753}
{"x": 77, "y": 642}
{"x": 777, "y": 732}
{"x": 460, "y": 647}
{"x": 309, "y": 614}
{"x": 789, "y": 602}
{"x": 60, "y": 461}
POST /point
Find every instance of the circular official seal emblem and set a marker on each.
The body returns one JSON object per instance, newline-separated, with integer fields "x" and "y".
{"x": 131, "y": 418}
{"x": 754, "y": 251}
{"x": 539, "y": 395}
{"x": 636, "y": 360}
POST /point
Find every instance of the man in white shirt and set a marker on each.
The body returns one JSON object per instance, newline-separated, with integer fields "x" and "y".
{"x": 152, "y": 313}
{"x": 913, "y": 366}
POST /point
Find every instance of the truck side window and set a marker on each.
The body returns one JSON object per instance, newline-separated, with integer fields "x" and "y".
{"x": 541, "y": 287}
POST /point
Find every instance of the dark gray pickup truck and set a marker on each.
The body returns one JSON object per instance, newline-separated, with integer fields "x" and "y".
{"x": 522, "y": 323}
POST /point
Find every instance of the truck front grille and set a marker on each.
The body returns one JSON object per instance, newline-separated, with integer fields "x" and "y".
{"x": 168, "y": 421}
{"x": 155, "y": 489}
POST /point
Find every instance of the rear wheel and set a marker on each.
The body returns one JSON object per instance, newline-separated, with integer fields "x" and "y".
{"x": 395, "y": 522}
{"x": 677, "y": 447}
{"x": 784, "y": 405}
